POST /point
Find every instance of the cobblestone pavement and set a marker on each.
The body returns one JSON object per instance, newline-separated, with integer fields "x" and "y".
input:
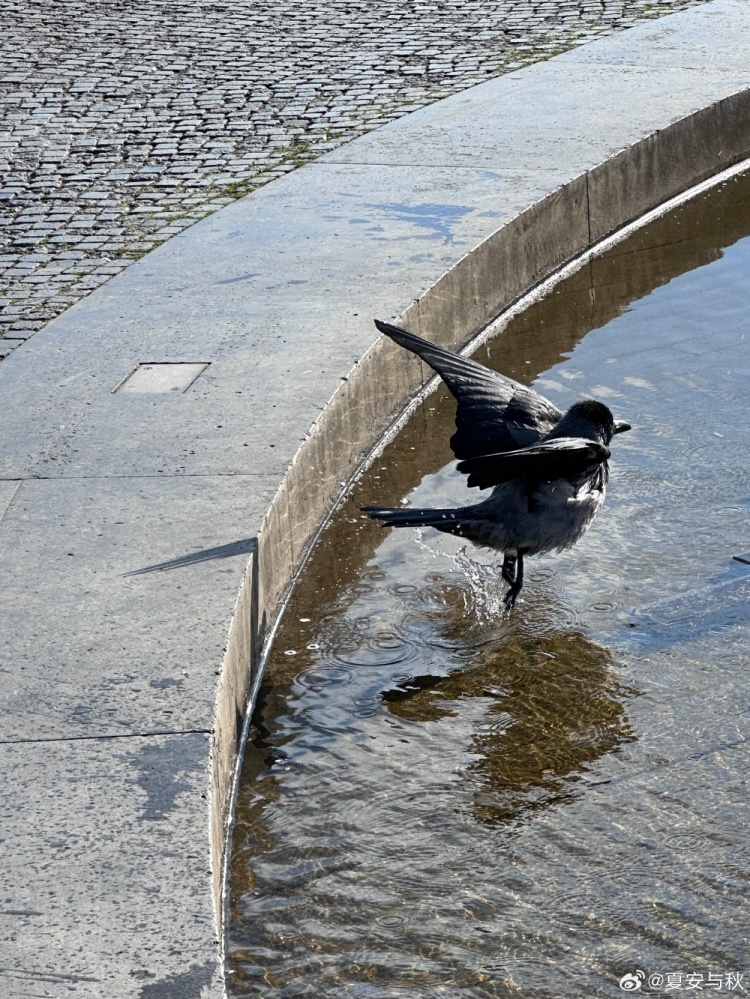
{"x": 121, "y": 124}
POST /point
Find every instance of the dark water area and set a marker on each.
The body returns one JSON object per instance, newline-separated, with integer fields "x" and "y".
{"x": 440, "y": 800}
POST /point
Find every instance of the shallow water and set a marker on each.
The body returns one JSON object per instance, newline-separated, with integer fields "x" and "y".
{"x": 439, "y": 800}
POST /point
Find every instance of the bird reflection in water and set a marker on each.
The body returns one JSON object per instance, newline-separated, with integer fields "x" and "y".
{"x": 555, "y": 705}
{"x": 404, "y": 811}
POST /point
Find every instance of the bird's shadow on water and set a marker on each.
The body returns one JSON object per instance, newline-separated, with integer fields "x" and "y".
{"x": 245, "y": 546}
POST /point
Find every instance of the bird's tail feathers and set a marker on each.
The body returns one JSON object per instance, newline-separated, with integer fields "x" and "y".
{"x": 404, "y": 338}
{"x": 406, "y": 516}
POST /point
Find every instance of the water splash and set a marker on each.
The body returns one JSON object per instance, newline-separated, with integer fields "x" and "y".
{"x": 482, "y": 586}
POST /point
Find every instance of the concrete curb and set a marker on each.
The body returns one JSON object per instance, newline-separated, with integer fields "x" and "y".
{"x": 122, "y": 541}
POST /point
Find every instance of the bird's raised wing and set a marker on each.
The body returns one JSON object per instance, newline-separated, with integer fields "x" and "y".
{"x": 561, "y": 457}
{"x": 494, "y": 413}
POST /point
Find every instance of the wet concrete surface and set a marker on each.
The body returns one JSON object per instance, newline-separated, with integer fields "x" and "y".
{"x": 437, "y": 797}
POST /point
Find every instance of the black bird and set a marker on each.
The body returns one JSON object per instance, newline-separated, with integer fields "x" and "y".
{"x": 548, "y": 469}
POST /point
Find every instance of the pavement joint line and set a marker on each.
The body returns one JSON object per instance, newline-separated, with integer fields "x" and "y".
{"x": 107, "y": 736}
{"x": 5, "y": 505}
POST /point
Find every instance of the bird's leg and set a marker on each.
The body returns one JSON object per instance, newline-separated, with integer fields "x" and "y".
{"x": 516, "y": 585}
{"x": 508, "y": 570}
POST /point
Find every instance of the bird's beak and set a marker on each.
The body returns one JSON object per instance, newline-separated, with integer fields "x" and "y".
{"x": 621, "y": 426}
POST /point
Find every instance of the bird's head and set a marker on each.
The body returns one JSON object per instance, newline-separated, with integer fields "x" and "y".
{"x": 592, "y": 420}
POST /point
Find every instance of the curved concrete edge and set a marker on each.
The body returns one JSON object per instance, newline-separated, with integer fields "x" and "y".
{"x": 121, "y": 572}
{"x": 512, "y": 261}
{"x": 518, "y": 256}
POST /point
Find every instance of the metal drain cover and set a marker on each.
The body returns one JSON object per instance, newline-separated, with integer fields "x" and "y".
{"x": 150, "y": 379}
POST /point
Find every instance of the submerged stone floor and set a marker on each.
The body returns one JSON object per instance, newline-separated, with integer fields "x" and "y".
{"x": 122, "y": 125}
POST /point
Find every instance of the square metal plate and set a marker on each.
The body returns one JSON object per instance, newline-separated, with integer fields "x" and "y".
{"x": 150, "y": 379}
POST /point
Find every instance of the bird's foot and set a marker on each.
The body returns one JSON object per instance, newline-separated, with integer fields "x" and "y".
{"x": 510, "y": 597}
{"x": 513, "y": 564}
{"x": 508, "y": 571}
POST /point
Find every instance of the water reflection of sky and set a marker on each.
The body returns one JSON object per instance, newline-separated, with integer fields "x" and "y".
{"x": 441, "y": 801}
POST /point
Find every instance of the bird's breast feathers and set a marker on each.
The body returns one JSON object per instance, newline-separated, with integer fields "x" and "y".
{"x": 559, "y": 514}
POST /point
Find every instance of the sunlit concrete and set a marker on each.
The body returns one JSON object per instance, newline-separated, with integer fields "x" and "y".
{"x": 141, "y": 519}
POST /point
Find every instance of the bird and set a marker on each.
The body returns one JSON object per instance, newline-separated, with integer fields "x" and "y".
{"x": 548, "y": 470}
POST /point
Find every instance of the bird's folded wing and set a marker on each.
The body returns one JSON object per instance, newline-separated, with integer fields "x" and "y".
{"x": 562, "y": 457}
{"x": 495, "y": 413}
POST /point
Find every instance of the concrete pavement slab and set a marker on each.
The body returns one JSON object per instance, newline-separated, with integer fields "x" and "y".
{"x": 558, "y": 117}
{"x": 706, "y": 39}
{"x": 100, "y": 856}
{"x": 112, "y": 591}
